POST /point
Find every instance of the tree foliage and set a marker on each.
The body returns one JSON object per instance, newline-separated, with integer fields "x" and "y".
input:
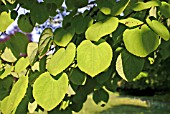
{"x": 93, "y": 49}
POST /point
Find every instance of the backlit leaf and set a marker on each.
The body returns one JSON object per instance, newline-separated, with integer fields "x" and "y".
{"x": 21, "y": 64}
{"x": 44, "y": 41}
{"x": 140, "y": 41}
{"x": 8, "y": 56}
{"x": 48, "y": 92}
{"x": 158, "y": 28}
{"x": 142, "y": 6}
{"x": 17, "y": 93}
{"x": 130, "y": 22}
{"x": 7, "y": 71}
{"x": 93, "y": 59}
{"x": 61, "y": 59}
{"x": 100, "y": 29}
{"x": 5, "y": 20}
{"x": 32, "y": 51}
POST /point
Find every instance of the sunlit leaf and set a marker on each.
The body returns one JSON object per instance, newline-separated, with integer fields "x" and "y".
{"x": 131, "y": 22}
{"x": 61, "y": 59}
{"x": 93, "y": 59}
{"x": 142, "y": 5}
{"x": 140, "y": 41}
{"x": 17, "y": 93}
{"x": 8, "y": 56}
{"x": 5, "y": 20}
{"x": 44, "y": 41}
{"x": 158, "y": 28}
{"x": 32, "y": 51}
{"x": 129, "y": 66}
{"x": 48, "y": 92}
{"x": 7, "y": 71}
{"x": 100, "y": 29}
{"x": 21, "y": 64}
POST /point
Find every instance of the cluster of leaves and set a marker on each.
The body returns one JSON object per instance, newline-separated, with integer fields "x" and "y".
{"x": 92, "y": 49}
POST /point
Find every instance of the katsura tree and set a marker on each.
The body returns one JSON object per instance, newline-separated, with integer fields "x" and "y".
{"x": 94, "y": 49}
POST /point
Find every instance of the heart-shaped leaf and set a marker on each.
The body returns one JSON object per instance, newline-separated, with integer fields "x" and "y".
{"x": 112, "y": 7}
{"x": 5, "y": 20}
{"x": 100, "y": 29}
{"x": 131, "y": 22}
{"x": 81, "y": 23}
{"x": 25, "y": 23}
{"x": 62, "y": 37}
{"x": 140, "y": 41}
{"x": 77, "y": 77}
{"x": 129, "y": 66}
{"x": 61, "y": 59}
{"x": 159, "y": 28}
{"x": 48, "y": 92}
{"x": 93, "y": 59}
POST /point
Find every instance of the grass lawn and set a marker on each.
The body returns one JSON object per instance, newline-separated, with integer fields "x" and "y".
{"x": 127, "y": 105}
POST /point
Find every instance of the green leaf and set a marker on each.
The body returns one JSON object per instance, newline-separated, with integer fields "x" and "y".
{"x": 158, "y": 28}
{"x": 48, "y": 92}
{"x": 62, "y": 37}
{"x": 25, "y": 23}
{"x": 61, "y": 59}
{"x": 17, "y": 93}
{"x": 21, "y": 64}
{"x": 100, "y": 97}
{"x": 140, "y": 41}
{"x": 7, "y": 71}
{"x": 44, "y": 41}
{"x": 5, "y": 20}
{"x": 131, "y": 22}
{"x": 81, "y": 23}
{"x": 93, "y": 59}
{"x": 18, "y": 44}
{"x": 142, "y": 6}
{"x": 164, "y": 9}
{"x": 77, "y": 77}
{"x": 32, "y": 51}
{"x": 39, "y": 12}
{"x": 129, "y": 66}
{"x": 52, "y": 9}
{"x": 5, "y": 87}
{"x": 8, "y": 56}
{"x": 13, "y": 14}
{"x": 57, "y": 2}
{"x": 72, "y": 4}
{"x": 110, "y": 7}
{"x": 100, "y": 29}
